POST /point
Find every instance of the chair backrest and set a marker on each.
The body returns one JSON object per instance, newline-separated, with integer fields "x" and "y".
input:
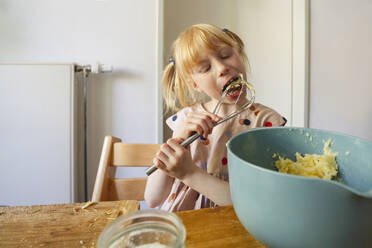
{"x": 116, "y": 153}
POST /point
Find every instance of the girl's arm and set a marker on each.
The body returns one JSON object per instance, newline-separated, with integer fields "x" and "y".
{"x": 212, "y": 187}
{"x": 176, "y": 161}
{"x": 159, "y": 183}
{"x": 158, "y": 186}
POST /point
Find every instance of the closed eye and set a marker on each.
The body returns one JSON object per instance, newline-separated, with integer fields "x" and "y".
{"x": 204, "y": 68}
{"x": 225, "y": 53}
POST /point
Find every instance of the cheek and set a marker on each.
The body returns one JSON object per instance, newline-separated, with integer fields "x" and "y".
{"x": 242, "y": 66}
{"x": 243, "y": 70}
{"x": 213, "y": 93}
{"x": 192, "y": 83}
{"x": 239, "y": 64}
{"x": 194, "y": 86}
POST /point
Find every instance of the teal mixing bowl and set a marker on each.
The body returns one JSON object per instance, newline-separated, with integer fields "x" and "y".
{"x": 284, "y": 210}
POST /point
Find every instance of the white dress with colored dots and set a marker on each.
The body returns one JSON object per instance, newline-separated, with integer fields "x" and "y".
{"x": 211, "y": 154}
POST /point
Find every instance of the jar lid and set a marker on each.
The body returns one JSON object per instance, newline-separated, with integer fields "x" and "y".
{"x": 144, "y": 228}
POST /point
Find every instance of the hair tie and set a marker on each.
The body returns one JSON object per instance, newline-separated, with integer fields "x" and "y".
{"x": 225, "y": 30}
{"x": 171, "y": 60}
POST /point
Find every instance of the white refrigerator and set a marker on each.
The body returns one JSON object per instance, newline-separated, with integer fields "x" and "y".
{"x": 41, "y": 134}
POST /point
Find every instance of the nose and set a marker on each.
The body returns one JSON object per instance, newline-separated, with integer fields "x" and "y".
{"x": 222, "y": 68}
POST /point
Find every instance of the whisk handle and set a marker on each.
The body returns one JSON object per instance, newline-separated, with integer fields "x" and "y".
{"x": 190, "y": 139}
{"x": 185, "y": 143}
{"x": 150, "y": 170}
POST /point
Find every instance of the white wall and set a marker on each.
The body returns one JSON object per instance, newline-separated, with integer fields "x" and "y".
{"x": 340, "y": 67}
{"x": 180, "y": 14}
{"x": 265, "y": 27}
{"x": 118, "y": 32}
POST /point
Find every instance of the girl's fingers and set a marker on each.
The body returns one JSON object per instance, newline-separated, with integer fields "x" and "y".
{"x": 211, "y": 125}
{"x": 160, "y": 155}
{"x": 202, "y": 126}
{"x": 195, "y": 127}
{"x": 178, "y": 140}
{"x": 213, "y": 117}
{"x": 200, "y": 122}
{"x": 175, "y": 144}
{"x": 159, "y": 164}
{"x": 167, "y": 150}
{"x": 168, "y": 154}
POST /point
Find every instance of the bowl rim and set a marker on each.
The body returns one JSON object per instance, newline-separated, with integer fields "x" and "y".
{"x": 366, "y": 194}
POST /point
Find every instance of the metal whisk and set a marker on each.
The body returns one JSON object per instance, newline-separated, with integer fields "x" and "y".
{"x": 240, "y": 82}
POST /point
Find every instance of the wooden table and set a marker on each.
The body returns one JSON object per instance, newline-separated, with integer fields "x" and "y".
{"x": 216, "y": 227}
{"x": 73, "y": 225}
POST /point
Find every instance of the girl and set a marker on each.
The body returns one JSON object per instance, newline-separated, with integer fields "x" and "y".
{"x": 205, "y": 58}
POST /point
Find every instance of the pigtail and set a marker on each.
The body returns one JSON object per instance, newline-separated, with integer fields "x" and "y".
{"x": 176, "y": 93}
{"x": 169, "y": 86}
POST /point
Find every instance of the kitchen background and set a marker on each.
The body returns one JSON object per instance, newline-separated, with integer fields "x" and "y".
{"x": 326, "y": 50}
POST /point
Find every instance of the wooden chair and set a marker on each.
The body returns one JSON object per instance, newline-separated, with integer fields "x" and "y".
{"x": 114, "y": 154}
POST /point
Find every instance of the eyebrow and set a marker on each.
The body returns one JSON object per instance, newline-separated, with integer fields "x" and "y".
{"x": 219, "y": 50}
{"x": 201, "y": 62}
{"x": 225, "y": 48}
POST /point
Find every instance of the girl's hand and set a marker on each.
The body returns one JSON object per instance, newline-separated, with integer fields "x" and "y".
{"x": 174, "y": 159}
{"x": 200, "y": 122}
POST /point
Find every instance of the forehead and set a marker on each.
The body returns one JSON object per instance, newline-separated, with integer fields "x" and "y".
{"x": 204, "y": 53}
{"x": 199, "y": 53}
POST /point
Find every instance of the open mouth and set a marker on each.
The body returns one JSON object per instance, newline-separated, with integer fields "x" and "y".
{"x": 233, "y": 87}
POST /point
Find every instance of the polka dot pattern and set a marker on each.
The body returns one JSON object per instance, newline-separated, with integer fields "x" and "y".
{"x": 268, "y": 124}
{"x": 245, "y": 122}
{"x": 224, "y": 161}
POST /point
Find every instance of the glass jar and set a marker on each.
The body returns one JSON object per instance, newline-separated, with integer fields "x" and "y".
{"x": 142, "y": 229}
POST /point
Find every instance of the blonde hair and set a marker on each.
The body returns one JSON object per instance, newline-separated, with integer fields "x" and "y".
{"x": 177, "y": 90}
